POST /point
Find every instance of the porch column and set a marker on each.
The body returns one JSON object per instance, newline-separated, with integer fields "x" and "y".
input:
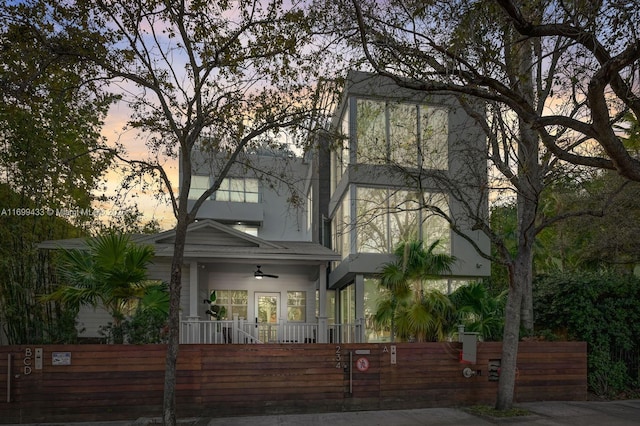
{"x": 360, "y": 326}
{"x": 322, "y": 304}
{"x": 193, "y": 290}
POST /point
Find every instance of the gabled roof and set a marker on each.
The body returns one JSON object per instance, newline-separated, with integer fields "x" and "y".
{"x": 205, "y": 232}
{"x": 211, "y": 240}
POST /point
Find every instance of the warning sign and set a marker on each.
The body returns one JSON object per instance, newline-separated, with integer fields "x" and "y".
{"x": 362, "y": 364}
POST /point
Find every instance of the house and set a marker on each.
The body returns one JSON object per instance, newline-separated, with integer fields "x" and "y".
{"x": 295, "y": 259}
{"x": 401, "y": 150}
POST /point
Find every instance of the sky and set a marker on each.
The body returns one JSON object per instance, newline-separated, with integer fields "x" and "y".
{"x": 151, "y": 208}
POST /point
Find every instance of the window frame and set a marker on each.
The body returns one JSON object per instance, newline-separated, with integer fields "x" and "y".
{"x": 423, "y": 154}
{"x": 301, "y": 306}
{"x": 196, "y": 191}
{"x": 233, "y": 189}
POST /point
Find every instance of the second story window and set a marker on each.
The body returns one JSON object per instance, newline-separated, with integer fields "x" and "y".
{"x": 239, "y": 190}
{"x": 199, "y": 184}
{"x": 405, "y": 134}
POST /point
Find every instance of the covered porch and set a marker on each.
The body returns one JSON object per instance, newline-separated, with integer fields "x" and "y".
{"x": 239, "y": 288}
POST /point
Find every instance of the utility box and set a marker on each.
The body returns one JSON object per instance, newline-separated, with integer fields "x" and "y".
{"x": 469, "y": 348}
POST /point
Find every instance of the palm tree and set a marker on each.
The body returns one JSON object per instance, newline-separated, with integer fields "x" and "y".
{"x": 405, "y": 307}
{"x": 111, "y": 273}
{"x": 479, "y": 311}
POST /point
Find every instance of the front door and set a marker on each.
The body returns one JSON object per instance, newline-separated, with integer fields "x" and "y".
{"x": 267, "y": 316}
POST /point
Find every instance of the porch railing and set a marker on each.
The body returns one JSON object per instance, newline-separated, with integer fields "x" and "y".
{"x": 238, "y": 330}
{"x": 214, "y": 332}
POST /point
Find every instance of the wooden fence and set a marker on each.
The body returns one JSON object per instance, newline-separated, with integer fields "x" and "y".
{"x": 120, "y": 382}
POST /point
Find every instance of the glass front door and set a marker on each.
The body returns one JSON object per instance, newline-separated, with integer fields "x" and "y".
{"x": 267, "y": 316}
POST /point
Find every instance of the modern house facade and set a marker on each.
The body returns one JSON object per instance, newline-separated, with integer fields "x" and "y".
{"x": 399, "y": 154}
{"x": 291, "y": 246}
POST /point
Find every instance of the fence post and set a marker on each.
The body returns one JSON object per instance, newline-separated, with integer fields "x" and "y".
{"x": 236, "y": 329}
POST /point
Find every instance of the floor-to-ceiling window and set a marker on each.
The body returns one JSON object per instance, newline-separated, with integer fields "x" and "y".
{"x": 372, "y": 297}
{"x": 401, "y": 133}
{"x": 386, "y": 217}
{"x": 348, "y": 304}
{"x": 341, "y": 227}
{"x": 340, "y": 151}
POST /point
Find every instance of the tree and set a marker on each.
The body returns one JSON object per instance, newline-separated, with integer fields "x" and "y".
{"x": 544, "y": 70}
{"x": 591, "y": 243}
{"x": 51, "y": 112}
{"x": 407, "y": 306}
{"x": 111, "y": 273}
{"x": 220, "y": 76}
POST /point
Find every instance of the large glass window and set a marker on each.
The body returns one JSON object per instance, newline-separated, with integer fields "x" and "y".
{"x": 372, "y": 297}
{"x": 296, "y": 306}
{"x": 434, "y": 226}
{"x": 234, "y": 302}
{"x": 372, "y": 208}
{"x": 340, "y": 152}
{"x": 199, "y": 184}
{"x": 390, "y": 132}
{"x": 240, "y": 190}
{"x": 309, "y": 203}
{"x": 403, "y": 134}
{"x": 371, "y": 132}
{"x": 348, "y": 305}
{"x": 403, "y": 217}
{"x": 341, "y": 228}
{"x": 434, "y": 123}
{"x": 387, "y": 217}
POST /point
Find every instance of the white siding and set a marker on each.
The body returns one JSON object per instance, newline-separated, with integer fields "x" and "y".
{"x": 90, "y": 320}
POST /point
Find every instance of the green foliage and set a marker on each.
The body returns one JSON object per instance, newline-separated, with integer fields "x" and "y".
{"x": 594, "y": 239}
{"x": 411, "y": 312}
{"x": 148, "y": 322}
{"x": 110, "y": 273}
{"x": 26, "y": 273}
{"x": 217, "y": 312}
{"x": 416, "y": 313}
{"x": 51, "y": 113}
{"x": 602, "y": 309}
{"x": 425, "y": 319}
{"x": 479, "y": 311}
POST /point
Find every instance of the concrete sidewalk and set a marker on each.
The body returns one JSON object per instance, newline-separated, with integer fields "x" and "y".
{"x": 582, "y": 413}
{"x": 613, "y": 413}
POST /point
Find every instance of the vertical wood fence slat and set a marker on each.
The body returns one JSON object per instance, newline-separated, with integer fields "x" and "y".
{"x": 120, "y": 382}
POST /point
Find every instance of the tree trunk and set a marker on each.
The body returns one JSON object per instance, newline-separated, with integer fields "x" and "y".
{"x": 506, "y": 385}
{"x": 529, "y": 178}
{"x": 175, "y": 287}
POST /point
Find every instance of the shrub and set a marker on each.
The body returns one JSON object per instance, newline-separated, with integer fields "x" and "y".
{"x": 602, "y": 309}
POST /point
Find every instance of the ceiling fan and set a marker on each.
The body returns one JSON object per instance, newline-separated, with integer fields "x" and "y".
{"x": 260, "y": 275}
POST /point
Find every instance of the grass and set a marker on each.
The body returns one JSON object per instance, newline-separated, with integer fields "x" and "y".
{"x": 488, "y": 411}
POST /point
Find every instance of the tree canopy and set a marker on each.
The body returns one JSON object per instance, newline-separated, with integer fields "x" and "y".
{"x": 554, "y": 76}
{"x": 224, "y": 77}
{"x": 51, "y": 113}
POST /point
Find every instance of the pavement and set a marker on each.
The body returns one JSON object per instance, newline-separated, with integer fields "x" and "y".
{"x": 552, "y": 413}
